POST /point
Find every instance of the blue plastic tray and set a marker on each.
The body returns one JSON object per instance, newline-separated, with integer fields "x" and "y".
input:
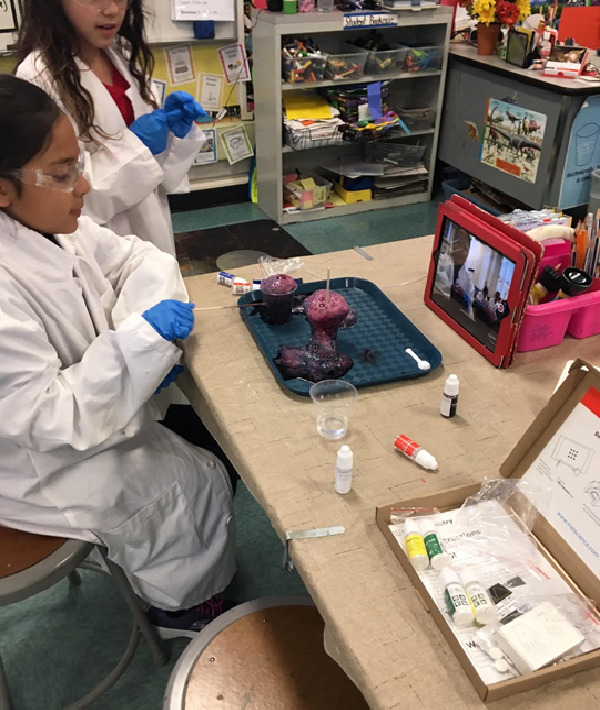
{"x": 382, "y": 330}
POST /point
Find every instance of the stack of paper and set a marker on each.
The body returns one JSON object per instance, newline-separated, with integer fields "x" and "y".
{"x": 309, "y": 122}
{"x": 400, "y": 181}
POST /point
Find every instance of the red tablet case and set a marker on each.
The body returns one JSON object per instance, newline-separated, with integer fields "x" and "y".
{"x": 516, "y": 246}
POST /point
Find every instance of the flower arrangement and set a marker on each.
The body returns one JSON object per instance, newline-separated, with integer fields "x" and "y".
{"x": 506, "y": 12}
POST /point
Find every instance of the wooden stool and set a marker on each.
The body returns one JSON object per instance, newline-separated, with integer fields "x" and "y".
{"x": 31, "y": 563}
{"x": 263, "y": 654}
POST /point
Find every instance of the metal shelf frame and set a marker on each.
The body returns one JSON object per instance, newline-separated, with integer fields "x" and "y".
{"x": 428, "y": 25}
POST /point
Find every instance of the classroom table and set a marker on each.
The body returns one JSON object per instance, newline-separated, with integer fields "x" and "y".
{"x": 376, "y": 627}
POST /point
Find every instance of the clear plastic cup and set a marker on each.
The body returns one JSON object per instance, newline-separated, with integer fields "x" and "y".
{"x": 278, "y": 298}
{"x": 333, "y": 401}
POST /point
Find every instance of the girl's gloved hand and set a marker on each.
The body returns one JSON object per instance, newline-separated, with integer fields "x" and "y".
{"x": 152, "y": 130}
{"x": 182, "y": 110}
{"x": 170, "y": 377}
{"x": 171, "y": 319}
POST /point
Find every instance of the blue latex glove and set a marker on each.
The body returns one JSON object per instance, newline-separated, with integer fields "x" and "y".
{"x": 171, "y": 319}
{"x": 152, "y": 130}
{"x": 182, "y": 110}
{"x": 170, "y": 377}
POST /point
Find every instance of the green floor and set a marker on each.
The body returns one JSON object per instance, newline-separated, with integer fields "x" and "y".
{"x": 320, "y": 236}
{"x": 56, "y": 645}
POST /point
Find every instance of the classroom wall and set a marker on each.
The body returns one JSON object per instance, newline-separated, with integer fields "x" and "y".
{"x": 7, "y": 64}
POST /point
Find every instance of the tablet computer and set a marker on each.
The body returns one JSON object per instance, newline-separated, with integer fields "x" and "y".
{"x": 478, "y": 281}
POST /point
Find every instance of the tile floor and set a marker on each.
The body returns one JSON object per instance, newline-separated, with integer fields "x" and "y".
{"x": 335, "y": 234}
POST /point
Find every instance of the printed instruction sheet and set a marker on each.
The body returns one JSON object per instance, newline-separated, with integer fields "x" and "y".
{"x": 570, "y": 465}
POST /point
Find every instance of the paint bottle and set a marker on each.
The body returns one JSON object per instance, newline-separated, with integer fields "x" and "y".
{"x": 450, "y": 397}
{"x": 437, "y": 557}
{"x": 415, "y": 452}
{"x": 343, "y": 470}
{"x": 240, "y": 286}
{"x": 225, "y": 278}
{"x": 456, "y": 598}
{"x": 485, "y": 613}
{"x": 415, "y": 545}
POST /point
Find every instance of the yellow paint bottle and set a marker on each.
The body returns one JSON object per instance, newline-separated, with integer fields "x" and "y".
{"x": 415, "y": 545}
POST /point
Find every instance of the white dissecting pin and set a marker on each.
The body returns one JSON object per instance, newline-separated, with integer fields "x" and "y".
{"x": 421, "y": 364}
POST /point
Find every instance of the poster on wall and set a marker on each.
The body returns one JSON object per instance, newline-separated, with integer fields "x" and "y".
{"x": 180, "y": 65}
{"x": 512, "y": 139}
{"x": 210, "y": 91}
{"x": 8, "y": 16}
{"x": 235, "y": 63}
{"x": 236, "y": 145}
{"x": 208, "y": 152}
{"x": 583, "y": 155}
{"x": 159, "y": 87}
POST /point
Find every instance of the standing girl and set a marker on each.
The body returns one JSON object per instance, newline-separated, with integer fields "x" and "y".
{"x": 92, "y": 58}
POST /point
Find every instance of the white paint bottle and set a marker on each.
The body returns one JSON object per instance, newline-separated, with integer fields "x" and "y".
{"x": 344, "y": 465}
{"x": 449, "y": 397}
{"x": 485, "y": 612}
{"x": 456, "y": 598}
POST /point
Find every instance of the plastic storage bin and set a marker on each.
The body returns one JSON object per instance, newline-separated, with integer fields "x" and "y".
{"x": 348, "y": 99}
{"x": 307, "y": 198}
{"x": 387, "y": 61}
{"x": 421, "y": 58}
{"x": 400, "y": 154}
{"x": 303, "y": 69}
{"x": 418, "y": 119}
{"x": 547, "y": 324}
{"x": 456, "y": 186}
{"x": 344, "y": 60}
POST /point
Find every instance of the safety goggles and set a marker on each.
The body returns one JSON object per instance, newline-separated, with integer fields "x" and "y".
{"x": 63, "y": 178}
{"x": 103, "y": 4}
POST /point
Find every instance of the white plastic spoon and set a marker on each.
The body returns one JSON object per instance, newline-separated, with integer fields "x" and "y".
{"x": 421, "y": 364}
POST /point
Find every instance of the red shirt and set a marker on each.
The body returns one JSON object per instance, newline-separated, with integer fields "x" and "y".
{"x": 117, "y": 91}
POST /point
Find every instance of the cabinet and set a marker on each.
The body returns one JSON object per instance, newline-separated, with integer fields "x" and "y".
{"x": 422, "y": 89}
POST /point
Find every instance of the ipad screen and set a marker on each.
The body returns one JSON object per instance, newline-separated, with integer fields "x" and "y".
{"x": 471, "y": 283}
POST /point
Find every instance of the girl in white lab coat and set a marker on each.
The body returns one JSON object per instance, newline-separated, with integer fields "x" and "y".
{"x": 87, "y": 323}
{"x": 92, "y": 58}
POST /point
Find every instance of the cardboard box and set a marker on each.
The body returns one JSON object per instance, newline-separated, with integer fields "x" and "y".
{"x": 550, "y": 543}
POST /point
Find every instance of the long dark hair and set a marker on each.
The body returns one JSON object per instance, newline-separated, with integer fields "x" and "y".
{"x": 27, "y": 117}
{"x": 46, "y": 28}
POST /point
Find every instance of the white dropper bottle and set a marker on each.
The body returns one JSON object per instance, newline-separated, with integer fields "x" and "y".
{"x": 343, "y": 470}
{"x": 449, "y": 397}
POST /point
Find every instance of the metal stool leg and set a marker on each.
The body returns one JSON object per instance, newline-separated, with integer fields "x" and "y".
{"x": 159, "y": 652}
{"x": 74, "y": 578}
{"x": 5, "y": 699}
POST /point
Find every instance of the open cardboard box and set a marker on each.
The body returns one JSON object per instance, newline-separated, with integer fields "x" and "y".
{"x": 551, "y": 544}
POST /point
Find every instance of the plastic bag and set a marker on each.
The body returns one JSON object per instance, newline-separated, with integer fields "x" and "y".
{"x": 271, "y": 265}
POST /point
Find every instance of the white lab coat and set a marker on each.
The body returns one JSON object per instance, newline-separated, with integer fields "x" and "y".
{"x": 129, "y": 185}
{"x": 81, "y": 452}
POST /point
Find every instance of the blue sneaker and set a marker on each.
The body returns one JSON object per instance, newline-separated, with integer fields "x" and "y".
{"x": 188, "y": 622}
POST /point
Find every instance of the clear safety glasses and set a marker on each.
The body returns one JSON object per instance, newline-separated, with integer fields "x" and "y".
{"x": 62, "y": 178}
{"x": 103, "y": 4}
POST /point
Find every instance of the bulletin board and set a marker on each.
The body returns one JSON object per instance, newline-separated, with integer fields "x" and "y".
{"x": 161, "y": 28}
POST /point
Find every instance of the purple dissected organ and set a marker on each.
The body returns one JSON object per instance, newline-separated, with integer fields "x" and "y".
{"x": 319, "y": 359}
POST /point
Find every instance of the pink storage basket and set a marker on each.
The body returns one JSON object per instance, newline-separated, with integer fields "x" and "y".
{"x": 557, "y": 254}
{"x": 547, "y": 324}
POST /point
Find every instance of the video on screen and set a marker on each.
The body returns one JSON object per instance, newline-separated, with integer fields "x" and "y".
{"x": 471, "y": 283}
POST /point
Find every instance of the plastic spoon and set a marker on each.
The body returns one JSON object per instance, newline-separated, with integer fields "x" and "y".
{"x": 421, "y": 364}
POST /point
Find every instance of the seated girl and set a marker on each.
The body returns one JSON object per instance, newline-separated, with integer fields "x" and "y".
{"x": 88, "y": 321}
